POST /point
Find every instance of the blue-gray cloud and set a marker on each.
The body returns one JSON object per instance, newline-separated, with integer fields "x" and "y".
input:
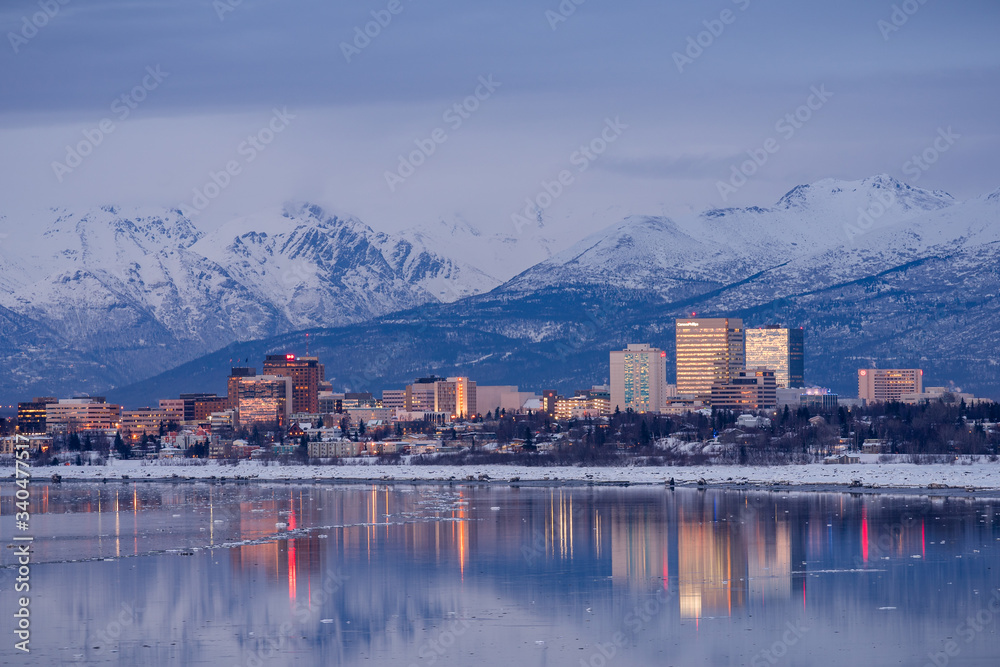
{"x": 230, "y": 62}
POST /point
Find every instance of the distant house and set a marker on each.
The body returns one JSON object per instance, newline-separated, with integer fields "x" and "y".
{"x": 842, "y": 459}
{"x": 874, "y": 446}
{"x": 752, "y": 421}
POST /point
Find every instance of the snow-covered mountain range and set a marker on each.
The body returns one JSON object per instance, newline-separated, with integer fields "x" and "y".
{"x": 677, "y": 257}
{"x": 112, "y": 295}
{"x": 876, "y": 270}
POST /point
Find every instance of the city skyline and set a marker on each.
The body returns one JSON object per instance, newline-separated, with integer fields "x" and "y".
{"x": 407, "y": 332}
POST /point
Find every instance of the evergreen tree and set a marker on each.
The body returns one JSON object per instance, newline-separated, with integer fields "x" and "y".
{"x": 529, "y": 443}
{"x": 644, "y": 436}
{"x": 124, "y": 450}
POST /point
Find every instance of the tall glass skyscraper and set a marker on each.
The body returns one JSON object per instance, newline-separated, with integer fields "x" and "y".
{"x": 782, "y": 350}
{"x": 709, "y": 351}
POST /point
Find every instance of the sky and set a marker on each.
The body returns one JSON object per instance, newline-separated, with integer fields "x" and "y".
{"x": 576, "y": 113}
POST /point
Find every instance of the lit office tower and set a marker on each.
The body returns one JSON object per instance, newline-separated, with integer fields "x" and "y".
{"x": 264, "y": 399}
{"x": 709, "y": 351}
{"x": 880, "y": 385}
{"x": 639, "y": 379}
{"x": 306, "y": 374}
{"x": 781, "y": 350}
{"x": 455, "y": 396}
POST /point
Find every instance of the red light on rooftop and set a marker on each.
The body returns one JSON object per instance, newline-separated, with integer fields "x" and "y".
{"x": 663, "y": 354}
{"x": 290, "y": 357}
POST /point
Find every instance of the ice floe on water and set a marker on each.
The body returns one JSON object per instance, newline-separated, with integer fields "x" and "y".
{"x": 962, "y": 476}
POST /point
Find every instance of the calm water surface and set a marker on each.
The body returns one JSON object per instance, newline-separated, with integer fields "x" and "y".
{"x": 257, "y": 574}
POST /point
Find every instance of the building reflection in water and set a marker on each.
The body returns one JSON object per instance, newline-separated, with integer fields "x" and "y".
{"x": 719, "y": 554}
{"x": 716, "y": 552}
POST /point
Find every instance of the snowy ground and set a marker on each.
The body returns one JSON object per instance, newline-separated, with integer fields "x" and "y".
{"x": 978, "y": 475}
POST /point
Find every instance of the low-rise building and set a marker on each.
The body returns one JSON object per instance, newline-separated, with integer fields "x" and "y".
{"x": 142, "y": 421}
{"x": 944, "y": 394}
{"x": 843, "y": 459}
{"x": 501, "y": 397}
{"x": 173, "y": 408}
{"x": 750, "y": 389}
{"x": 872, "y": 446}
{"x": 332, "y": 449}
{"x": 752, "y": 421}
{"x": 75, "y": 415}
{"x": 35, "y": 441}
{"x": 819, "y": 399}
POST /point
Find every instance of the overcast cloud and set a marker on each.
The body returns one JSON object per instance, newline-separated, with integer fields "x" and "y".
{"x": 224, "y": 67}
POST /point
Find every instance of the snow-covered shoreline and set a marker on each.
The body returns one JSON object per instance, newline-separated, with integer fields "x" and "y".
{"x": 978, "y": 475}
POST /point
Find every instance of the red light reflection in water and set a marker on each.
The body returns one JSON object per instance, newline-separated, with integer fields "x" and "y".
{"x": 864, "y": 533}
{"x": 292, "y": 583}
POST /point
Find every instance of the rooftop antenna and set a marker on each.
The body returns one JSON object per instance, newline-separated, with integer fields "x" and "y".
{"x": 307, "y": 345}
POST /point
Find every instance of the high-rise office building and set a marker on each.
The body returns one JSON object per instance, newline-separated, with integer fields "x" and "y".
{"x": 233, "y": 384}
{"x": 455, "y": 396}
{"x": 709, "y": 351}
{"x": 394, "y": 399}
{"x": 782, "y": 350}
{"x": 264, "y": 399}
{"x": 306, "y": 373}
{"x": 880, "y": 385}
{"x": 639, "y": 378}
{"x": 550, "y": 397}
{"x": 421, "y": 396}
{"x": 31, "y": 416}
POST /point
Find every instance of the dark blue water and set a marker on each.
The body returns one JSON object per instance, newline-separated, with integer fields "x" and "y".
{"x": 201, "y": 574}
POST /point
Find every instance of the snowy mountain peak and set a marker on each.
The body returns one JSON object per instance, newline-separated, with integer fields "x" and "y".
{"x": 831, "y": 192}
{"x": 307, "y": 214}
{"x": 723, "y": 212}
{"x": 114, "y": 225}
